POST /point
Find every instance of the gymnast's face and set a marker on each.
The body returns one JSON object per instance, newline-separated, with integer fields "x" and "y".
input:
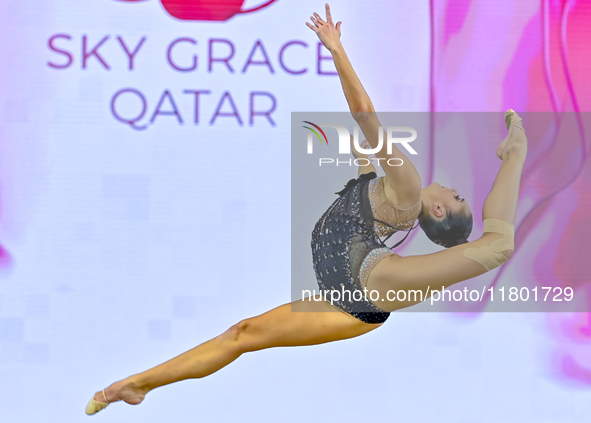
{"x": 441, "y": 200}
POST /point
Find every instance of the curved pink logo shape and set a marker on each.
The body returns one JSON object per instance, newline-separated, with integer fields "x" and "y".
{"x": 5, "y": 259}
{"x": 206, "y": 10}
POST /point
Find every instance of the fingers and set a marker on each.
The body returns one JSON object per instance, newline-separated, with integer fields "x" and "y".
{"x": 312, "y": 27}
{"x": 319, "y": 19}
{"x": 319, "y": 22}
{"x": 339, "y": 26}
{"x": 316, "y": 22}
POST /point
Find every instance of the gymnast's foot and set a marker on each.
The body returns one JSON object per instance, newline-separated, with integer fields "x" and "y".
{"x": 124, "y": 390}
{"x": 515, "y": 144}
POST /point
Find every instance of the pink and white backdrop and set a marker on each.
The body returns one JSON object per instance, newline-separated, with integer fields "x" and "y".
{"x": 128, "y": 236}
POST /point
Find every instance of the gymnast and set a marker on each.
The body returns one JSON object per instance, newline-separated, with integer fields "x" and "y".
{"x": 349, "y": 252}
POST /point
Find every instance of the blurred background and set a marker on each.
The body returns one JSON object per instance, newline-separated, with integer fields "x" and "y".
{"x": 145, "y": 205}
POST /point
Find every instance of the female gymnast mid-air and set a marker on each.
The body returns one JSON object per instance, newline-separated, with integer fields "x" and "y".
{"x": 349, "y": 252}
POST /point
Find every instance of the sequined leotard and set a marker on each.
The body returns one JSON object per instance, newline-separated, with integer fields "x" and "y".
{"x": 346, "y": 243}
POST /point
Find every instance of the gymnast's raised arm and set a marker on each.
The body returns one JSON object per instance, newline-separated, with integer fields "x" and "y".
{"x": 403, "y": 182}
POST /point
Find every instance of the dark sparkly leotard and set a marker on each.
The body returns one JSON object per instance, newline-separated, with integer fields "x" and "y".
{"x": 346, "y": 246}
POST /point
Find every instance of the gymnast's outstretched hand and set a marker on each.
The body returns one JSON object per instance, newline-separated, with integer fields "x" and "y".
{"x": 329, "y": 34}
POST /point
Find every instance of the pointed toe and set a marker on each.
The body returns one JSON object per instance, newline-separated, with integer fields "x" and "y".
{"x": 94, "y": 406}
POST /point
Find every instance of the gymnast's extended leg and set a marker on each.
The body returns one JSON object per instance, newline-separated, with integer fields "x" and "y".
{"x": 468, "y": 260}
{"x": 309, "y": 323}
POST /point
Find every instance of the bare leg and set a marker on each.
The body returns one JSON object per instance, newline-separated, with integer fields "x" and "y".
{"x": 309, "y": 323}
{"x": 450, "y": 266}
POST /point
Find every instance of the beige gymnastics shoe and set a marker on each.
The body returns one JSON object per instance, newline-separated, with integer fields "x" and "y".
{"x": 516, "y": 139}
{"x": 96, "y": 406}
{"x": 512, "y": 119}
